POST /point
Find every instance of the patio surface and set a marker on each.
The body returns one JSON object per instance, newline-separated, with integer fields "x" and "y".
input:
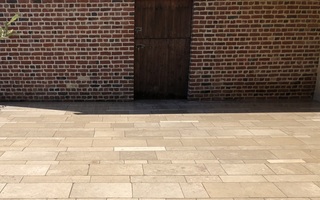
{"x": 160, "y": 150}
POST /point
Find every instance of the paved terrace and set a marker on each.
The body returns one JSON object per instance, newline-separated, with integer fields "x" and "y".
{"x": 160, "y": 150}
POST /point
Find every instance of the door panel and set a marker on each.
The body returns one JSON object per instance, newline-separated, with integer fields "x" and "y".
{"x": 162, "y": 50}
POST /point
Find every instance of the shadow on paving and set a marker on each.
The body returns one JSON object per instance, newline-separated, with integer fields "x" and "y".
{"x": 172, "y": 106}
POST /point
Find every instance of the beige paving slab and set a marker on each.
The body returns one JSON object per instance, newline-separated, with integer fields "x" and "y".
{"x": 89, "y": 156}
{"x": 174, "y": 169}
{"x": 108, "y": 133}
{"x": 246, "y": 169}
{"x": 202, "y": 179}
{"x": 158, "y": 179}
{"x": 243, "y": 179}
{"x": 70, "y": 170}
{"x": 289, "y": 169}
{"x": 116, "y": 169}
{"x": 42, "y": 162}
{"x": 110, "y": 179}
{"x": 245, "y": 190}
{"x": 313, "y": 167}
{"x": 101, "y": 190}
{"x": 193, "y": 190}
{"x": 165, "y": 143}
{"x": 138, "y": 155}
{"x": 215, "y": 169}
{"x": 139, "y": 148}
{"x": 23, "y": 169}
{"x": 185, "y": 155}
{"x": 269, "y": 131}
{"x": 243, "y": 154}
{"x": 299, "y": 189}
{"x": 195, "y": 142}
{"x": 281, "y": 161}
{"x": 10, "y": 179}
{"x": 157, "y": 190}
{"x": 152, "y": 133}
{"x": 122, "y": 125}
{"x": 194, "y": 133}
{"x": 74, "y": 133}
{"x": 17, "y": 155}
{"x": 292, "y": 178}
{"x": 36, "y": 190}
{"x": 290, "y": 154}
{"x": 232, "y": 142}
{"x": 56, "y": 179}
{"x": 44, "y": 143}
{"x": 119, "y": 143}
{"x": 76, "y": 143}
{"x": 96, "y": 149}
{"x": 279, "y": 141}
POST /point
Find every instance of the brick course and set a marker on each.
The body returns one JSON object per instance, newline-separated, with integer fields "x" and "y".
{"x": 82, "y": 50}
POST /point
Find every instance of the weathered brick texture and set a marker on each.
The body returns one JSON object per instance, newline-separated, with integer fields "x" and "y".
{"x": 68, "y": 50}
{"x": 82, "y": 50}
{"x": 257, "y": 49}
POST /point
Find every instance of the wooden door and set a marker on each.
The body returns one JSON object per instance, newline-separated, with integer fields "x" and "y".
{"x": 162, "y": 40}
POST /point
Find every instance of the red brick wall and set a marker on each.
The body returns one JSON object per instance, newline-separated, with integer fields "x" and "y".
{"x": 84, "y": 50}
{"x": 68, "y": 50}
{"x": 254, "y": 49}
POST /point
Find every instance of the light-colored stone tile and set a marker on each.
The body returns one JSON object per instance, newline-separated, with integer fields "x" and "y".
{"x": 243, "y": 155}
{"x": 97, "y": 149}
{"x": 44, "y": 143}
{"x": 290, "y": 154}
{"x": 101, "y": 190}
{"x": 139, "y": 155}
{"x": 139, "y": 148}
{"x": 271, "y": 132}
{"x": 45, "y": 149}
{"x": 299, "y": 189}
{"x": 69, "y": 170}
{"x": 119, "y": 143}
{"x": 292, "y": 178}
{"x": 243, "y": 179}
{"x": 289, "y": 169}
{"x": 122, "y": 125}
{"x": 226, "y": 190}
{"x": 10, "y": 179}
{"x": 246, "y": 169}
{"x": 185, "y": 155}
{"x": 279, "y": 141}
{"x": 16, "y": 155}
{"x": 174, "y": 169}
{"x": 157, "y": 179}
{"x": 2, "y": 186}
{"x": 75, "y": 133}
{"x": 195, "y": 142}
{"x": 232, "y": 142}
{"x": 165, "y": 143}
{"x": 215, "y": 169}
{"x": 152, "y": 133}
{"x": 110, "y": 179}
{"x": 108, "y": 133}
{"x": 281, "y": 161}
{"x": 313, "y": 167}
{"x": 36, "y": 190}
{"x": 76, "y": 143}
{"x": 56, "y": 179}
{"x": 116, "y": 169}
{"x": 193, "y": 190}
{"x": 42, "y": 162}
{"x": 23, "y": 169}
{"x": 157, "y": 190}
{"x": 83, "y": 156}
{"x": 202, "y": 179}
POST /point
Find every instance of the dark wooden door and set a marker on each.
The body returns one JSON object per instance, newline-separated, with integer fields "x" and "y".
{"x": 162, "y": 40}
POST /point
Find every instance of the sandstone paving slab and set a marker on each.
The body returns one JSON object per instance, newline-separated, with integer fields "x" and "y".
{"x": 69, "y": 170}
{"x": 289, "y": 168}
{"x": 110, "y": 179}
{"x": 13, "y": 170}
{"x": 55, "y": 179}
{"x": 138, "y": 155}
{"x": 244, "y": 190}
{"x": 10, "y": 178}
{"x": 232, "y": 142}
{"x": 281, "y": 141}
{"x": 36, "y": 190}
{"x": 116, "y": 169}
{"x": 157, "y": 190}
{"x": 158, "y": 179}
{"x": 164, "y": 142}
{"x": 16, "y": 155}
{"x": 2, "y": 186}
{"x": 193, "y": 190}
{"x": 290, "y": 154}
{"x": 243, "y": 154}
{"x": 174, "y": 169}
{"x": 299, "y": 189}
{"x": 87, "y": 156}
{"x": 313, "y": 167}
{"x": 101, "y": 190}
{"x": 76, "y": 143}
{"x": 185, "y": 155}
{"x": 215, "y": 169}
{"x": 119, "y": 143}
{"x": 292, "y": 178}
{"x": 202, "y": 179}
{"x": 246, "y": 169}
